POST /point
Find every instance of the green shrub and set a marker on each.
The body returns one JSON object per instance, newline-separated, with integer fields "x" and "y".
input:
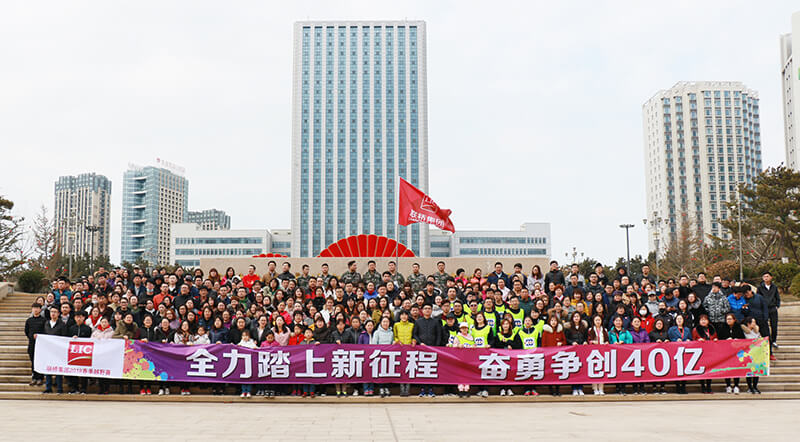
{"x": 794, "y": 289}
{"x": 31, "y": 281}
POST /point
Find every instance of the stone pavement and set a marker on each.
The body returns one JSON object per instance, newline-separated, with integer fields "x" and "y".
{"x": 619, "y": 421}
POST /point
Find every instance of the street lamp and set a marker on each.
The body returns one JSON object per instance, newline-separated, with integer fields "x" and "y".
{"x": 627, "y": 228}
{"x": 91, "y": 230}
{"x": 739, "y": 218}
{"x": 655, "y": 222}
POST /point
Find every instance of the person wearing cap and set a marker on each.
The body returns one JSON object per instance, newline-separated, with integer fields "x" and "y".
{"x": 464, "y": 339}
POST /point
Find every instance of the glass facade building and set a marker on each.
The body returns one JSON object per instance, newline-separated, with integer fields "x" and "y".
{"x": 702, "y": 139}
{"x": 153, "y": 199}
{"x": 210, "y": 219}
{"x": 359, "y": 122}
{"x": 83, "y": 203}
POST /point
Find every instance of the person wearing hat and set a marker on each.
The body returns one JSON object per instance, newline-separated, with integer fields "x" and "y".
{"x": 464, "y": 339}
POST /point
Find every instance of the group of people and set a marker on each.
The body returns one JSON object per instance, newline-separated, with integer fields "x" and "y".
{"x": 514, "y": 310}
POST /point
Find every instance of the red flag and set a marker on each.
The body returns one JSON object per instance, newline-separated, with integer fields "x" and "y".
{"x": 416, "y": 207}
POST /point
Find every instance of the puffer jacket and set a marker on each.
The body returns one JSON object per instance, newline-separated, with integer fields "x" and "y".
{"x": 382, "y": 337}
{"x": 717, "y": 306}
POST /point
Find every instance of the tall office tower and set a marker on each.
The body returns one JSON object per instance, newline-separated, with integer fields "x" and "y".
{"x": 359, "y": 121}
{"x": 82, "y": 214}
{"x": 701, "y": 139}
{"x": 153, "y": 199}
{"x": 790, "y": 88}
{"x": 210, "y": 219}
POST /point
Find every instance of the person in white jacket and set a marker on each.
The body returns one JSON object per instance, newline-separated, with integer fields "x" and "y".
{"x": 247, "y": 342}
{"x": 383, "y": 335}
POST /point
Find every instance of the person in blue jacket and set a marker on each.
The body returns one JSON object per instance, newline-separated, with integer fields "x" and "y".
{"x": 619, "y": 335}
{"x": 737, "y": 301}
{"x": 680, "y": 333}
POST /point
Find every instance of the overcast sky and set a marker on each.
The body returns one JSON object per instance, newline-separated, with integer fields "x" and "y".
{"x": 534, "y": 107}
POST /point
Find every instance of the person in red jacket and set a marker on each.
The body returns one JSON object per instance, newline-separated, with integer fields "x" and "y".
{"x": 553, "y": 336}
{"x": 250, "y": 277}
{"x": 704, "y": 332}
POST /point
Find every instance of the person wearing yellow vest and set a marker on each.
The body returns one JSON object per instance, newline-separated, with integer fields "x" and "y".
{"x": 492, "y": 316}
{"x": 499, "y": 305}
{"x": 464, "y": 340}
{"x": 458, "y": 311}
{"x": 483, "y": 335}
{"x": 529, "y": 335}
{"x": 473, "y": 310}
{"x": 403, "y": 332}
{"x": 450, "y": 330}
{"x": 516, "y": 312}
{"x": 507, "y": 338}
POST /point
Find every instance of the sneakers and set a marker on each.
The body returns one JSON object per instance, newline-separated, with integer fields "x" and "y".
{"x": 243, "y": 395}
{"x": 355, "y": 393}
{"x": 574, "y": 392}
{"x": 383, "y": 392}
{"x": 485, "y": 393}
{"x": 728, "y": 389}
{"x": 148, "y": 392}
{"x": 775, "y": 346}
{"x": 166, "y": 391}
{"x": 509, "y": 392}
{"x": 580, "y": 393}
{"x": 735, "y": 390}
{"x": 142, "y": 392}
{"x": 534, "y": 392}
{"x": 527, "y": 393}
{"x": 502, "y": 392}
{"x": 161, "y": 392}
{"x": 432, "y": 394}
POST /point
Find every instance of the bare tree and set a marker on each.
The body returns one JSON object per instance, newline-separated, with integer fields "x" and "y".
{"x": 12, "y": 249}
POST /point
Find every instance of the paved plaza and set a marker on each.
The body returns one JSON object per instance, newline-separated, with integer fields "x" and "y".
{"x": 617, "y": 421}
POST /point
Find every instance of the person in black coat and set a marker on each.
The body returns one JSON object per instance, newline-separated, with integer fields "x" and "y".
{"x": 33, "y": 326}
{"x": 79, "y": 329}
{"x": 428, "y": 330}
{"x": 757, "y": 308}
{"x": 730, "y": 330}
{"x": 54, "y": 327}
{"x": 772, "y": 298}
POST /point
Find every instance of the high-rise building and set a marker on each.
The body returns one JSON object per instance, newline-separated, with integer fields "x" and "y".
{"x": 701, "y": 139}
{"x": 153, "y": 199}
{"x": 82, "y": 214}
{"x": 359, "y": 121}
{"x": 209, "y": 219}
{"x": 790, "y": 88}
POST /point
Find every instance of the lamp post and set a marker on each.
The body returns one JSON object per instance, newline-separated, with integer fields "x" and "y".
{"x": 91, "y": 230}
{"x": 655, "y": 223}
{"x": 739, "y": 216}
{"x": 627, "y": 228}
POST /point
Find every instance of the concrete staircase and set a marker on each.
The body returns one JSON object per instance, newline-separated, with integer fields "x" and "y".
{"x": 783, "y": 383}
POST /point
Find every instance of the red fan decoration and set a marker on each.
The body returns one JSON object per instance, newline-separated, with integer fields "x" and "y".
{"x": 270, "y": 255}
{"x": 372, "y": 246}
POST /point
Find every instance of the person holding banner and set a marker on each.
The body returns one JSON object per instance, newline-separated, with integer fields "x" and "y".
{"x": 464, "y": 339}
{"x": 103, "y": 331}
{"x": 618, "y": 335}
{"x": 598, "y": 335}
{"x": 383, "y": 336}
{"x": 553, "y": 336}
{"x": 704, "y": 331}
{"x": 730, "y": 330}
{"x": 54, "y": 327}
{"x": 247, "y": 342}
{"x": 751, "y": 331}
{"x": 33, "y": 326}
{"x": 680, "y": 333}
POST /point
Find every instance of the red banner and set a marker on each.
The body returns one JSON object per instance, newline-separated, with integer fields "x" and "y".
{"x": 322, "y": 364}
{"x": 416, "y": 207}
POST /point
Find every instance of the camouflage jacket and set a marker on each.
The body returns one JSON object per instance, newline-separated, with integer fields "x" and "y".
{"x": 351, "y": 277}
{"x": 398, "y": 279}
{"x": 302, "y": 281}
{"x": 417, "y": 281}
{"x": 373, "y": 277}
{"x": 441, "y": 280}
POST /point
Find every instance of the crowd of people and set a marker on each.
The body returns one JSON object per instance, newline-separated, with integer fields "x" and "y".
{"x": 515, "y": 310}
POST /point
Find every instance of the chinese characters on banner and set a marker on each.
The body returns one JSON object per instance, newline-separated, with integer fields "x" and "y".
{"x": 406, "y": 364}
{"x": 420, "y": 364}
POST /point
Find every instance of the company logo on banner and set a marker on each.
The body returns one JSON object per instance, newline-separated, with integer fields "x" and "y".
{"x": 80, "y": 353}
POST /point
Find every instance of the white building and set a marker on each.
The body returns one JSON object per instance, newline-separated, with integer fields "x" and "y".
{"x": 531, "y": 240}
{"x": 281, "y": 241}
{"x": 189, "y": 242}
{"x": 701, "y": 139}
{"x": 210, "y": 219}
{"x": 790, "y": 89}
{"x": 82, "y": 214}
{"x": 359, "y": 121}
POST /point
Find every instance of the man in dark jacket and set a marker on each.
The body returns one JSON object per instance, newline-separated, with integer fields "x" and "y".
{"x": 54, "y": 327}
{"x": 33, "y": 326}
{"x": 427, "y": 331}
{"x": 554, "y": 275}
{"x": 773, "y": 300}
{"x": 757, "y": 308}
{"x": 79, "y": 329}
